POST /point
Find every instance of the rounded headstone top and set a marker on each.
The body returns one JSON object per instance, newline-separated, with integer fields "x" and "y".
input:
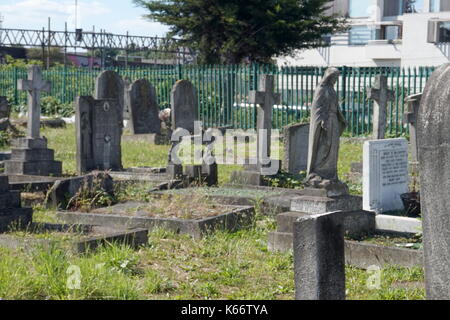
{"x": 434, "y": 111}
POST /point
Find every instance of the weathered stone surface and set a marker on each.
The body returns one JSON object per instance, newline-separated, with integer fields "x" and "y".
{"x": 385, "y": 174}
{"x": 144, "y": 111}
{"x": 433, "y": 135}
{"x": 317, "y": 205}
{"x": 64, "y": 192}
{"x": 30, "y": 155}
{"x": 319, "y": 259}
{"x": 98, "y": 125}
{"x": 296, "y": 139}
{"x": 184, "y": 102}
{"x": 326, "y": 127}
{"x": 5, "y": 108}
{"x": 11, "y": 212}
{"x": 109, "y": 85}
{"x": 381, "y": 96}
{"x": 34, "y": 85}
{"x": 410, "y": 118}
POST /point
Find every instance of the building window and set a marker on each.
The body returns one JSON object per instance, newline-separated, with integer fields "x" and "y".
{"x": 392, "y": 8}
{"x": 413, "y": 6}
{"x": 360, "y": 35}
{"x": 444, "y": 32}
{"x": 439, "y": 5}
{"x": 359, "y": 8}
{"x": 391, "y": 32}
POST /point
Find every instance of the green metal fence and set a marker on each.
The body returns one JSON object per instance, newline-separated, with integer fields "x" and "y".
{"x": 223, "y": 90}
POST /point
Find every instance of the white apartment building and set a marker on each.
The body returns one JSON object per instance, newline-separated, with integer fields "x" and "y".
{"x": 402, "y": 33}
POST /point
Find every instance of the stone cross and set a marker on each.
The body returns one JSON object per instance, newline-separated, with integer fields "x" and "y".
{"x": 265, "y": 98}
{"x": 381, "y": 95}
{"x": 34, "y": 85}
{"x": 410, "y": 117}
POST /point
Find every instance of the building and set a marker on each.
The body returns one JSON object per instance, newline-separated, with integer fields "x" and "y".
{"x": 404, "y": 33}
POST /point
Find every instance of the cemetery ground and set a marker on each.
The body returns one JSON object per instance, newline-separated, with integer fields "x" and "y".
{"x": 222, "y": 265}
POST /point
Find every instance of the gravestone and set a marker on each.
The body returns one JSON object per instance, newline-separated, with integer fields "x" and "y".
{"x": 265, "y": 99}
{"x": 296, "y": 142}
{"x": 410, "y": 117}
{"x": 5, "y": 108}
{"x": 381, "y": 96}
{"x": 109, "y": 85}
{"x": 433, "y": 137}
{"x": 319, "y": 259}
{"x": 98, "y": 127}
{"x": 12, "y": 215}
{"x": 184, "y": 102}
{"x": 143, "y": 108}
{"x": 30, "y": 155}
{"x": 385, "y": 174}
{"x": 126, "y": 106}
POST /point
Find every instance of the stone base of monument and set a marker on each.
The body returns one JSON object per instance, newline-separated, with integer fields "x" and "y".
{"x": 358, "y": 254}
{"x": 244, "y": 177}
{"x": 71, "y": 238}
{"x": 32, "y": 157}
{"x": 151, "y": 138}
{"x": 11, "y": 212}
{"x": 320, "y": 204}
{"x": 356, "y": 223}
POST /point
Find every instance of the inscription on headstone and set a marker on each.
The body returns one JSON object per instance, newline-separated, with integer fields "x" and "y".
{"x": 109, "y": 85}
{"x": 385, "y": 174}
{"x": 98, "y": 134}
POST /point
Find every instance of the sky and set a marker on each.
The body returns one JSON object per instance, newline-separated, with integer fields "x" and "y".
{"x": 116, "y": 16}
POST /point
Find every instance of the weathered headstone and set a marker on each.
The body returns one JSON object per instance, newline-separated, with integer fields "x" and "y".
{"x": 30, "y": 155}
{"x": 381, "y": 95}
{"x": 265, "y": 98}
{"x": 5, "y": 108}
{"x": 144, "y": 111}
{"x": 12, "y": 215}
{"x": 319, "y": 259}
{"x": 98, "y": 126}
{"x": 126, "y": 106}
{"x": 184, "y": 102}
{"x": 433, "y": 137}
{"x": 385, "y": 174}
{"x": 109, "y": 85}
{"x": 410, "y": 117}
{"x": 296, "y": 139}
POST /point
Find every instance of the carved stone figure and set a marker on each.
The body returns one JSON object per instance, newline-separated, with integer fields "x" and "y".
{"x": 327, "y": 125}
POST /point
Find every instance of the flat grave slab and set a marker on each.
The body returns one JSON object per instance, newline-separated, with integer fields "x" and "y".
{"x": 73, "y": 238}
{"x": 271, "y": 200}
{"x": 183, "y": 214}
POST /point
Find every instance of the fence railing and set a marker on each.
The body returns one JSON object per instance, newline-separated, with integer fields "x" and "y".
{"x": 223, "y": 91}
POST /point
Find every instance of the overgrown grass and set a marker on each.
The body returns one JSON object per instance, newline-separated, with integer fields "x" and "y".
{"x": 221, "y": 266}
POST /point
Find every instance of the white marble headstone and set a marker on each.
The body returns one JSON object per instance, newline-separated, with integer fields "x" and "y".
{"x": 385, "y": 174}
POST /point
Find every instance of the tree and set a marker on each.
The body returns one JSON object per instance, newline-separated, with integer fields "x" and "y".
{"x": 234, "y": 31}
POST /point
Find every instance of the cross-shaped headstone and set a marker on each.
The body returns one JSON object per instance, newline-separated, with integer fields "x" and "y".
{"x": 381, "y": 95}
{"x": 410, "y": 117}
{"x": 34, "y": 85}
{"x": 265, "y": 98}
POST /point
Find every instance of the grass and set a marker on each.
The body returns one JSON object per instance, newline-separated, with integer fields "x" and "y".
{"x": 221, "y": 266}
